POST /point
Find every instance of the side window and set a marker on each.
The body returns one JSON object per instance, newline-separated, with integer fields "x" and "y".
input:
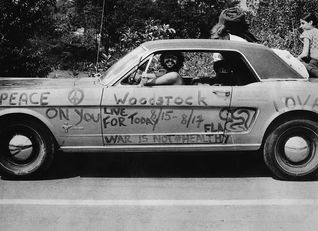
{"x": 241, "y": 70}
{"x": 155, "y": 65}
{"x": 198, "y": 67}
{"x": 219, "y": 68}
{"x": 134, "y": 75}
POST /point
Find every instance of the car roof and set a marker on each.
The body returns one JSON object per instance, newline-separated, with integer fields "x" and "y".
{"x": 198, "y": 44}
{"x": 265, "y": 62}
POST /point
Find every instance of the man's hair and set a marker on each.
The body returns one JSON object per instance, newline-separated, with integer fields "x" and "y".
{"x": 178, "y": 54}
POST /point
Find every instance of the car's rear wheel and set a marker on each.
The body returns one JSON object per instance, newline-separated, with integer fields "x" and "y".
{"x": 26, "y": 148}
{"x": 291, "y": 150}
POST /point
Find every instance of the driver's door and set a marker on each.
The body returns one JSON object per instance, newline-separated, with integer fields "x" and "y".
{"x": 165, "y": 115}
{"x": 171, "y": 115}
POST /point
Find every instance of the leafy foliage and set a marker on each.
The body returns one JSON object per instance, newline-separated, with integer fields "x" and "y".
{"x": 192, "y": 18}
{"x": 24, "y": 24}
{"x": 276, "y": 22}
{"x": 37, "y": 36}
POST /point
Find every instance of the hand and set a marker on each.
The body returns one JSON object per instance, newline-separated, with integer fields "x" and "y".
{"x": 146, "y": 78}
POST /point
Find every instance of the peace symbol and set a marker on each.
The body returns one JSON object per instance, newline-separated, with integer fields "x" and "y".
{"x": 76, "y": 96}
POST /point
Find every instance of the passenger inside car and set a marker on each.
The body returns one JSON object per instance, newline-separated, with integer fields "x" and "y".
{"x": 224, "y": 74}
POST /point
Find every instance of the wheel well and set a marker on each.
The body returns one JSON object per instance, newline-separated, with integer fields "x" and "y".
{"x": 299, "y": 114}
{"x": 21, "y": 116}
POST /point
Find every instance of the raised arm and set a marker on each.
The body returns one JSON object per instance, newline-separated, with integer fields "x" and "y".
{"x": 170, "y": 78}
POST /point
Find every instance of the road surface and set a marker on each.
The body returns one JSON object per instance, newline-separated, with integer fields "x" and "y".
{"x": 192, "y": 191}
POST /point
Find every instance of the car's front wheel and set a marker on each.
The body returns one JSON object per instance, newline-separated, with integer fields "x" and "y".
{"x": 26, "y": 148}
{"x": 291, "y": 150}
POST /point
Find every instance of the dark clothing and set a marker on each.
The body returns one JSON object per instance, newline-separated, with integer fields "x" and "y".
{"x": 234, "y": 21}
{"x": 312, "y": 68}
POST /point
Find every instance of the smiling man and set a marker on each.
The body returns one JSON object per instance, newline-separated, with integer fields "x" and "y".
{"x": 171, "y": 61}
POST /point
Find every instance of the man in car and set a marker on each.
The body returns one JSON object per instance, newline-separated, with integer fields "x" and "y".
{"x": 171, "y": 61}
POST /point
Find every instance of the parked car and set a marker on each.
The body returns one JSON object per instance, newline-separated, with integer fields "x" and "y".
{"x": 253, "y": 101}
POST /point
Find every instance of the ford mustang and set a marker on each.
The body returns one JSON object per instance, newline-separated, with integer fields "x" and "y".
{"x": 224, "y": 96}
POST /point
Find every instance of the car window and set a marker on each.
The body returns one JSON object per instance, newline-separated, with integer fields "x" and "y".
{"x": 134, "y": 75}
{"x": 124, "y": 62}
{"x": 224, "y": 68}
{"x": 197, "y": 65}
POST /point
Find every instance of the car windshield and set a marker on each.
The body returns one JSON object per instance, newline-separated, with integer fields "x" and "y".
{"x": 124, "y": 62}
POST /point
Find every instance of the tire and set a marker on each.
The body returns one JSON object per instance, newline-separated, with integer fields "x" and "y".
{"x": 26, "y": 149}
{"x": 291, "y": 150}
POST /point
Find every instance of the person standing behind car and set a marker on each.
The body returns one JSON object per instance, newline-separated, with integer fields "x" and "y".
{"x": 232, "y": 26}
{"x": 309, "y": 54}
{"x": 219, "y": 31}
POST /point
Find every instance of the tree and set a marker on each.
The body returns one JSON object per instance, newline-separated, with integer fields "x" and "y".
{"x": 23, "y": 25}
{"x": 39, "y": 35}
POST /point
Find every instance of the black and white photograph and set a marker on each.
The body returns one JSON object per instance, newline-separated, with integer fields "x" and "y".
{"x": 159, "y": 115}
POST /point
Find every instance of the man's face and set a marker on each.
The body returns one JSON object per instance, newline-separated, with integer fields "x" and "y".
{"x": 170, "y": 61}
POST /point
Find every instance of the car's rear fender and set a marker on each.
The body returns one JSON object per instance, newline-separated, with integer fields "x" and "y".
{"x": 289, "y": 115}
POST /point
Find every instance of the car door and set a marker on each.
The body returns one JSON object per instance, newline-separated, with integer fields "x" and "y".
{"x": 165, "y": 114}
{"x": 160, "y": 115}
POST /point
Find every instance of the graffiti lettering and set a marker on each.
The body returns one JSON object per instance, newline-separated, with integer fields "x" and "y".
{"x": 118, "y": 121}
{"x": 291, "y": 102}
{"x": 118, "y": 139}
{"x": 168, "y": 139}
{"x": 122, "y": 117}
{"x": 191, "y": 139}
{"x": 115, "y": 111}
{"x": 235, "y": 120}
{"x": 143, "y": 139}
{"x": 19, "y": 99}
{"x": 159, "y": 101}
{"x": 52, "y": 113}
{"x": 139, "y": 120}
{"x": 164, "y": 115}
{"x": 214, "y": 128}
{"x": 191, "y": 119}
{"x": 88, "y": 117}
{"x": 201, "y": 100}
{"x": 79, "y": 115}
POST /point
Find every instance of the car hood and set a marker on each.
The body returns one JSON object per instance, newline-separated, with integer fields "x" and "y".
{"x": 45, "y": 82}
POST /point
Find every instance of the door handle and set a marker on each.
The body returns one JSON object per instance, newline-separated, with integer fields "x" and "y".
{"x": 222, "y": 93}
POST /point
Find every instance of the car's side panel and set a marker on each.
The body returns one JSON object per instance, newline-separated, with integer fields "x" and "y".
{"x": 270, "y": 100}
{"x": 165, "y": 115}
{"x": 71, "y": 113}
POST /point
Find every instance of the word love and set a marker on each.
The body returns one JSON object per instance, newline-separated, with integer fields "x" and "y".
{"x": 292, "y": 102}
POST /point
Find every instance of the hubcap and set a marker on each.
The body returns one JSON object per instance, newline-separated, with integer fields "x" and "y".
{"x": 296, "y": 149}
{"x": 20, "y": 147}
